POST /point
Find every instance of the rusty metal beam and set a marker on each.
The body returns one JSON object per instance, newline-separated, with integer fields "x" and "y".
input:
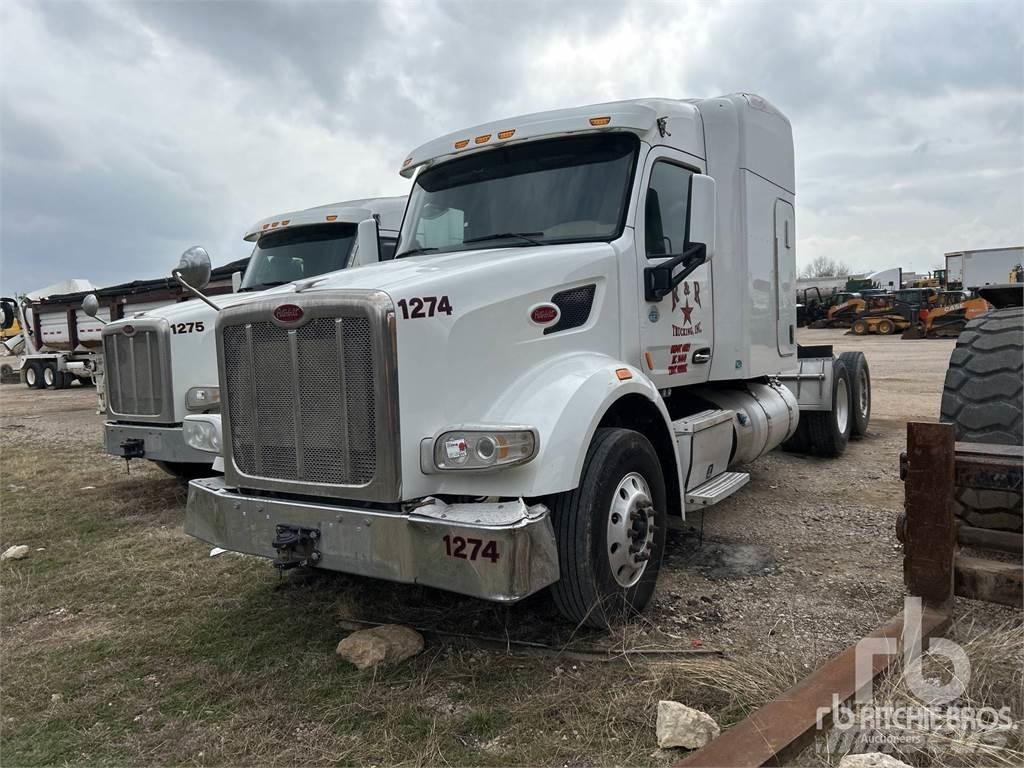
{"x": 780, "y": 729}
{"x": 929, "y": 535}
{"x": 984, "y": 466}
{"x": 989, "y": 580}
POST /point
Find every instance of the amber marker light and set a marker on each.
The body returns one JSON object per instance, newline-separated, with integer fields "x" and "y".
{"x": 623, "y": 374}
{"x": 599, "y": 121}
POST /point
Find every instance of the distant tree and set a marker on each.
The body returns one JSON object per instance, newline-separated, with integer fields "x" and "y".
{"x": 824, "y": 266}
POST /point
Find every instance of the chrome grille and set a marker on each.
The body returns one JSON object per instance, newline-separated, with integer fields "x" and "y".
{"x": 302, "y": 402}
{"x": 134, "y": 373}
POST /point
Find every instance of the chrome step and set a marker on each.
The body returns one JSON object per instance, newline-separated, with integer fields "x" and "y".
{"x": 716, "y": 489}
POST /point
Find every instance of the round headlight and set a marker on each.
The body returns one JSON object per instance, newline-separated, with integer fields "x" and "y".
{"x": 486, "y": 448}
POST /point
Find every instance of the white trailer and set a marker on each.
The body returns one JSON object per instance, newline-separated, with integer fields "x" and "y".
{"x": 589, "y": 327}
{"x": 985, "y": 266}
{"x": 162, "y": 364}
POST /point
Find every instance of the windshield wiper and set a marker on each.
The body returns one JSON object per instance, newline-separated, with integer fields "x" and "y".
{"x": 261, "y": 286}
{"x": 527, "y": 236}
{"x": 413, "y": 252}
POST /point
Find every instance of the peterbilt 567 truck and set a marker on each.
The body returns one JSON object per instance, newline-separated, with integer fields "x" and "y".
{"x": 589, "y": 328}
{"x": 162, "y": 365}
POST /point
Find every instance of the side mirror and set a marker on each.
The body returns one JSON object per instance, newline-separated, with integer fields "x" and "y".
{"x": 367, "y": 250}
{"x": 236, "y": 281}
{"x": 702, "y": 225}
{"x": 660, "y": 279}
{"x": 194, "y": 268}
{"x": 91, "y": 307}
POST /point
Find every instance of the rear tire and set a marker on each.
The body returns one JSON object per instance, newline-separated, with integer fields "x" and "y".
{"x": 183, "y": 471}
{"x": 981, "y": 398}
{"x": 33, "y": 376}
{"x": 619, "y": 507}
{"x": 827, "y": 433}
{"x": 51, "y": 376}
{"x": 886, "y": 327}
{"x": 860, "y": 327}
{"x": 860, "y": 392}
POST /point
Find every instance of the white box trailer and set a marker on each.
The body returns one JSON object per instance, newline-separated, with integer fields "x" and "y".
{"x": 970, "y": 269}
{"x": 589, "y": 327}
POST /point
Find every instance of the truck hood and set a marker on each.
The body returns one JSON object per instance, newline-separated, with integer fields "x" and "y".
{"x": 398, "y": 276}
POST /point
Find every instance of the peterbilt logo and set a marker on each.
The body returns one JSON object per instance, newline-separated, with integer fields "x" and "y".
{"x": 128, "y": 330}
{"x": 288, "y": 313}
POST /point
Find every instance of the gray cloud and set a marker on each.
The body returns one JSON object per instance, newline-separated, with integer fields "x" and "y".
{"x": 129, "y": 132}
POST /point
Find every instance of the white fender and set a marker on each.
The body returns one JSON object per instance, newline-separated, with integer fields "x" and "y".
{"x": 566, "y": 400}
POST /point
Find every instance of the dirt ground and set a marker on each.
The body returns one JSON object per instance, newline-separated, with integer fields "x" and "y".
{"x": 123, "y": 642}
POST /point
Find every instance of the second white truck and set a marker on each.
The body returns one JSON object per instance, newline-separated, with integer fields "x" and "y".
{"x": 161, "y": 365}
{"x": 589, "y": 327}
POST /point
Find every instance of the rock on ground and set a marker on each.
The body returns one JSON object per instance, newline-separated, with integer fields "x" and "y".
{"x": 15, "y": 553}
{"x": 683, "y": 726}
{"x": 871, "y": 760}
{"x": 386, "y": 644}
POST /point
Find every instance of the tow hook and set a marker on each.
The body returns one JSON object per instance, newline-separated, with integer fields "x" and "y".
{"x": 132, "y": 448}
{"x": 296, "y": 546}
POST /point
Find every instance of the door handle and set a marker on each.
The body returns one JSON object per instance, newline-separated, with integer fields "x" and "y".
{"x": 702, "y": 355}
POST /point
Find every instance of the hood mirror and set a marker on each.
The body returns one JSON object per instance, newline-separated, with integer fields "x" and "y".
{"x": 91, "y": 307}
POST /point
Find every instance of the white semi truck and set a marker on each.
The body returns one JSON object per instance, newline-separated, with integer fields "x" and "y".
{"x": 162, "y": 365}
{"x": 589, "y": 328}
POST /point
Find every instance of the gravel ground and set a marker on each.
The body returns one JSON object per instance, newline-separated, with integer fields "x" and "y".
{"x": 796, "y": 566}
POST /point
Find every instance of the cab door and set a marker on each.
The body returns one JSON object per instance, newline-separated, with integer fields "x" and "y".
{"x": 676, "y": 332}
{"x": 784, "y": 268}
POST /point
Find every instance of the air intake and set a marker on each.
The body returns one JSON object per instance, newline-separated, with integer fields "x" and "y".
{"x": 574, "y": 305}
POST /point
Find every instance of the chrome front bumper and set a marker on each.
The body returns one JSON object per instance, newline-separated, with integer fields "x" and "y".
{"x": 158, "y": 443}
{"x": 497, "y": 551}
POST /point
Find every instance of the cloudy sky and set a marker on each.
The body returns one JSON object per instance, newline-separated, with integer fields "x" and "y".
{"x": 131, "y": 131}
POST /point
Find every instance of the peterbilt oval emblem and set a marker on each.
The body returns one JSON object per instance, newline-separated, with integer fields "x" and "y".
{"x": 288, "y": 313}
{"x": 545, "y": 314}
{"x": 128, "y": 330}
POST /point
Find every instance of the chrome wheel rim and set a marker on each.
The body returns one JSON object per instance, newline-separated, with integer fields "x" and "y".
{"x": 864, "y": 401}
{"x": 30, "y": 377}
{"x": 630, "y": 530}
{"x": 48, "y": 376}
{"x": 842, "y": 405}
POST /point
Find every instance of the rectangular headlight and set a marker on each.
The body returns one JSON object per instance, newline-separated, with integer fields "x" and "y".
{"x": 202, "y": 432}
{"x": 483, "y": 448}
{"x": 202, "y": 398}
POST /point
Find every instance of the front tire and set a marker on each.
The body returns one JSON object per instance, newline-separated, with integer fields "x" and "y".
{"x": 610, "y": 531}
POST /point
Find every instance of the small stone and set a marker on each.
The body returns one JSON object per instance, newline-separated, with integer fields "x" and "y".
{"x": 17, "y": 552}
{"x": 683, "y": 726}
{"x": 871, "y": 760}
{"x": 386, "y": 644}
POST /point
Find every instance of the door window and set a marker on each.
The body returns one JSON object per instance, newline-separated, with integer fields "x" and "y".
{"x": 668, "y": 197}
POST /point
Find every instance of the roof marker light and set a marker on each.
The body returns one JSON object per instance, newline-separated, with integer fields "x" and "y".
{"x": 506, "y": 134}
{"x": 332, "y": 217}
{"x": 482, "y": 139}
{"x": 285, "y": 222}
{"x": 406, "y": 162}
{"x": 596, "y": 121}
{"x": 266, "y": 226}
{"x": 461, "y": 143}
{"x": 274, "y": 225}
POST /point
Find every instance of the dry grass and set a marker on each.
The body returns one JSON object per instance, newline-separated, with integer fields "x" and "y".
{"x": 122, "y": 642}
{"x": 996, "y": 680}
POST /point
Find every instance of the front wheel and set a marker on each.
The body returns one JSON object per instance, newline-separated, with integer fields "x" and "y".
{"x": 610, "y": 531}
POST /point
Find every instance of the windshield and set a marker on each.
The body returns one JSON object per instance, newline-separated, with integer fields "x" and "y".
{"x": 567, "y": 190}
{"x": 293, "y": 254}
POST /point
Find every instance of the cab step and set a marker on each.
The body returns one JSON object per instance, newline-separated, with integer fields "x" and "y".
{"x": 716, "y": 489}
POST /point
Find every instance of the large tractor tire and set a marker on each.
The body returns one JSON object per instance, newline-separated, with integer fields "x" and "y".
{"x": 982, "y": 400}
